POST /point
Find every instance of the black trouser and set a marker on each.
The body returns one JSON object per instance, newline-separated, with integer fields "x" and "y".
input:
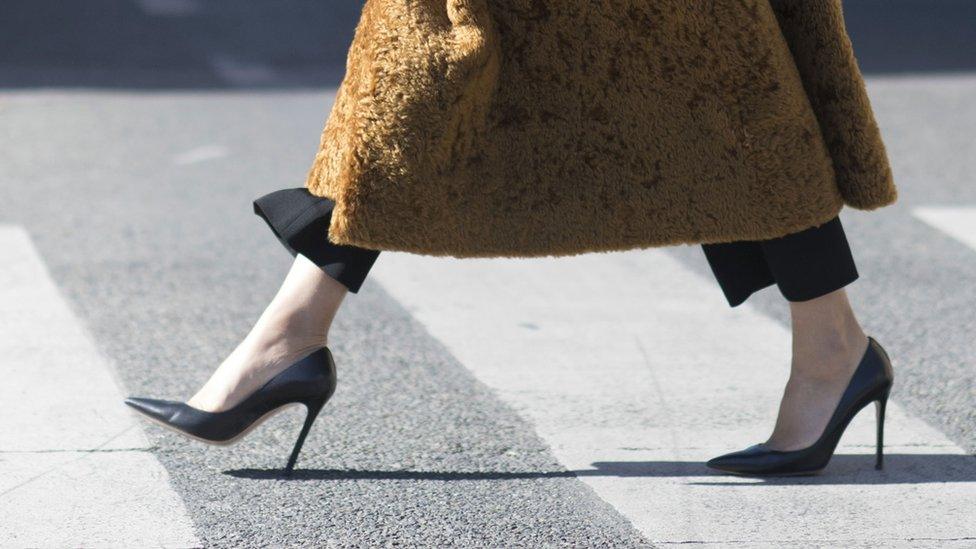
{"x": 804, "y": 265}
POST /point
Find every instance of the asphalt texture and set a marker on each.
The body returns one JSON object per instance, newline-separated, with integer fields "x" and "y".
{"x": 132, "y": 144}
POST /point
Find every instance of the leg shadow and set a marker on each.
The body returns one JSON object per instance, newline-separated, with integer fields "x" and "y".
{"x": 843, "y": 469}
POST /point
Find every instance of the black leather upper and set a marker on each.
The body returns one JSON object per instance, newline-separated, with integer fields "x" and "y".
{"x": 870, "y": 382}
{"x": 310, "y": 381}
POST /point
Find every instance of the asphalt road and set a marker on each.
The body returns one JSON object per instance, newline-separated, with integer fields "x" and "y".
{"x": 132, "y": 164}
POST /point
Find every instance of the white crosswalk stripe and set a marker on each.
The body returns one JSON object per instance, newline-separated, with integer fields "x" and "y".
{"x": 959, "y": 223}
{"x": 75, "y": 468}
{"x": 635, "y": 371}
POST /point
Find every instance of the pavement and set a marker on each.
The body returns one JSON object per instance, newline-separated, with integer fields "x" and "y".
{"x": 502, "y": 403}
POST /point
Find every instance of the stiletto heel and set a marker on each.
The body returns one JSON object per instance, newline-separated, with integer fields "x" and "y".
{"x": 313, "y": 412}
{"x": 871, "y": 382}
{"x": 880, "y": 406}
{"x": 310, "y": 381}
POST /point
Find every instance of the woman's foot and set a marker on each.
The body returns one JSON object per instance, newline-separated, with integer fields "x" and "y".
{"x": 828, "y": 344}
{"x": 255, "y": 360}
{"x": 294, "y": 324}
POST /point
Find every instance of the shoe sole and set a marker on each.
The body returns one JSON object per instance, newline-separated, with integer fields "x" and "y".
{"x": 773, "y": 475}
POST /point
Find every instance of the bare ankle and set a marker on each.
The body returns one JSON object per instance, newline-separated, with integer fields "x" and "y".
{"x": 285, "y": 340}
{"x": 828, "y": 356}
{"x": 827, "y": 338}
{"x": 283, "y": 324}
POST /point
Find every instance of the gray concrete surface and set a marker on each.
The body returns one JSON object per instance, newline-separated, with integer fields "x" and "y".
{"x": 635, "y": 371}
{"x": 133, "y": 141}
{"x": 168, "y": 266}
{"x": 64, "y": 450}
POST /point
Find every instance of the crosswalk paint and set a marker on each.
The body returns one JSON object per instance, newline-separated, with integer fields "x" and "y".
{"x": 238, "y": 72}
{"x": 75, "y": 469}
{"x": 959, "y": 223}
{"x": 169, "y": 8}
{"x": 635, "y": 371}
{"x": 200, "y": 154}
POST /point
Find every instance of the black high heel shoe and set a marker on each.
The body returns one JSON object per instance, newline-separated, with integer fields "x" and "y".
{"x": 310, "y": 381}
{"x": 871, "y": 382}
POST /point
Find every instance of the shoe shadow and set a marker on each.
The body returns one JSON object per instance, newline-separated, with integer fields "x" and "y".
{"x": 843, "y": 469}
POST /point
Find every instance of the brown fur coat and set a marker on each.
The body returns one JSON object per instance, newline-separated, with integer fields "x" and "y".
{"x": 555, "y": 127}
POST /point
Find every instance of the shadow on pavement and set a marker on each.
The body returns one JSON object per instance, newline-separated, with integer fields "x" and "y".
{"x": 843, "y": 469}
{"x": 165, "y": 44}
{"x": 901, "y": 36}
{"x": 175, "y": 43}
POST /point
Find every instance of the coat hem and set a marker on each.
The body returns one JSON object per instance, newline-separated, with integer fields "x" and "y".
{"x": 344, "y": 235}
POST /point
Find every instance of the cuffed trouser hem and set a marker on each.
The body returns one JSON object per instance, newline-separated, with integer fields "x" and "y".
{"x": 804, "y": 265}
{"x": 300, "y": 221}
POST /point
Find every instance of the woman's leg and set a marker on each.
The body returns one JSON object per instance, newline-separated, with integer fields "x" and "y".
{"x": 297, "y": 320}
{"x": 828, "y": 343}
{"x": 811, "y": 269}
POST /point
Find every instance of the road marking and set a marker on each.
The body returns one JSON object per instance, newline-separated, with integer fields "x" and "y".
{"x": 169, "y": 8}
{"x": 200, "y": 154}
{"x": 242, "y": 73}
{"x": 959, "y": 223}
{"x": 75, "y": 469}
{"x": 635, "y": 371}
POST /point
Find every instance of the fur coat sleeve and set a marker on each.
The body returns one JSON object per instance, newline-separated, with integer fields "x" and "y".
{"x": 822, "y": 51}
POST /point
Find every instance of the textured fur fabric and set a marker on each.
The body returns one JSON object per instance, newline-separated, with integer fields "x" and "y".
{"x": 556, "y": 127}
